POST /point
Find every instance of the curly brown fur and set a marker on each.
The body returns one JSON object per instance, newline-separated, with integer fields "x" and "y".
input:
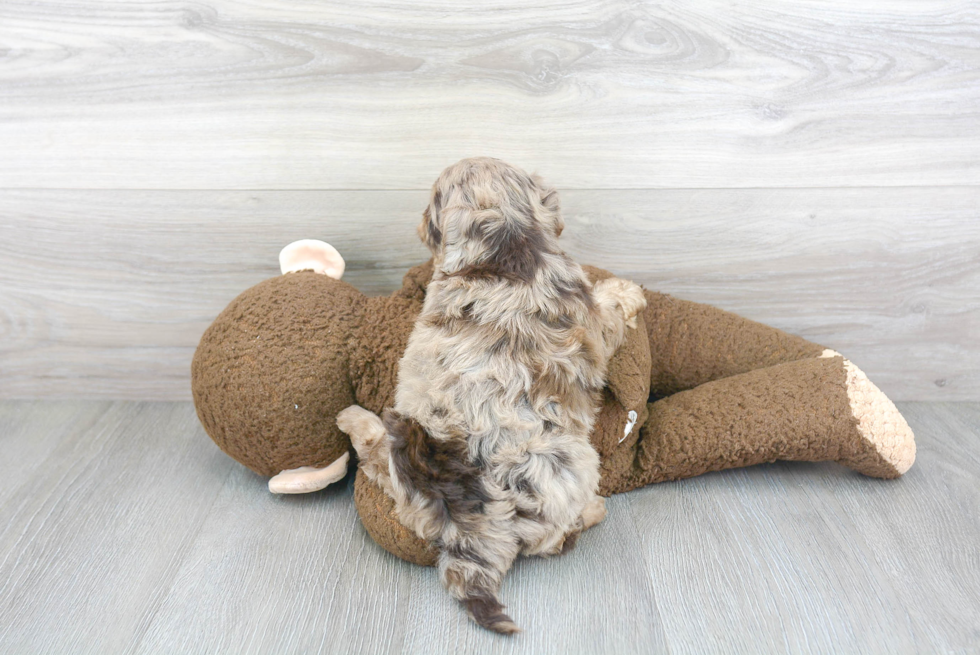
{"x": 487, "y": 450}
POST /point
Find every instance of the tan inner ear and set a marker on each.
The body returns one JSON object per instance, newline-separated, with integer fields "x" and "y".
{"x": 312, "y": 255}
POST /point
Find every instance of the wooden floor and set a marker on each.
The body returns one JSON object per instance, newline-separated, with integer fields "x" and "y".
{"x": 123, "y": 529}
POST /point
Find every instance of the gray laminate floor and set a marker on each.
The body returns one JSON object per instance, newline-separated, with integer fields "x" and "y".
{"x": 124, "y": 529}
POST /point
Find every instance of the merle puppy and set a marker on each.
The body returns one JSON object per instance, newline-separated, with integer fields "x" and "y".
{"x": 487, "y": 451}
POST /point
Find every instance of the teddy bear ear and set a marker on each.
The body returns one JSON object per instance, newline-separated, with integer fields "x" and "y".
{"x": 311, "y": 255}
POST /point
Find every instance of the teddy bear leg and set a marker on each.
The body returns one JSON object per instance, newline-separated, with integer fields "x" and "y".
{"x": 816, "y": 409}
{"x": 693, "y": 343}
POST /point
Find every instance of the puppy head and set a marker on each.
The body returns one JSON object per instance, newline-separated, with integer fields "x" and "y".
{"x": 486, "y": 217}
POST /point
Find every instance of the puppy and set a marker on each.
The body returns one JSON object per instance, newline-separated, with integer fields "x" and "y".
{"x": 487, "y": 450}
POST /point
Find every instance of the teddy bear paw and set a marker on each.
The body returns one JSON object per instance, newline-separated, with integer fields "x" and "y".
{"x": 306, "y": 479}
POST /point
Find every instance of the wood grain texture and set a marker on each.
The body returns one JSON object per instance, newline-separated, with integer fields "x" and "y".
{"x": 124, "y": 529}
{"x": 382, "y": 94}
{"x": 749, "y": 562}
{"x": 282, "y": 574}
{"x": 801, "y": 558}
{"x": 104, "y": 294}
{"x": 563, "y": 604}
{"x": 90, "y": 542}
{"x": 928, "y": 542}
{"x": 31, "y": 432}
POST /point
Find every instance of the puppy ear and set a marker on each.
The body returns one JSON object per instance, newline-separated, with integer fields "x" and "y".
{"x": 429, "y": 229}
{"x": 550, "y": 204}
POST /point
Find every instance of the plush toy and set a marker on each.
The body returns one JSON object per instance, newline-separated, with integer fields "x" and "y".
{"x": 694, "y": 389}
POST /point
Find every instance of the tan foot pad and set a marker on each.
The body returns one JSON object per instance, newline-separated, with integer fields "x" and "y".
{"x": 879, "y": 421}
{"x": 306, "y": 479}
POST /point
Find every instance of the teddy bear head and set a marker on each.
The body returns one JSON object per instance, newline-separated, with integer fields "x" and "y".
{"x": 273, "y": 370}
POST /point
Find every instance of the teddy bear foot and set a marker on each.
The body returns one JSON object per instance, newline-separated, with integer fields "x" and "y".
{"x": 306, "y": 479}
{"x": 888, "y": 448}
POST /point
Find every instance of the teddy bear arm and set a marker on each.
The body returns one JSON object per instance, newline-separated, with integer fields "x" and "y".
{"x": 814, "y": 409}
{"x": 693, "y": 343}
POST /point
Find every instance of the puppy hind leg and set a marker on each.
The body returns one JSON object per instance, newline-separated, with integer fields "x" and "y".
{"x": 594, "y": 512}
{"x": 370, "y": 440}
{"x": 592, "y": 515}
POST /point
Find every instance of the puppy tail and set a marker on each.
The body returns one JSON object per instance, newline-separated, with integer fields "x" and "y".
{"x": 475, "y": 587}
{"x": 473, "y": 560}
{"x": 488, "y": 613}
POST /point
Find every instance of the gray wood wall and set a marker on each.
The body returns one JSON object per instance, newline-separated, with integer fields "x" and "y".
{"x": 813, "y": 165}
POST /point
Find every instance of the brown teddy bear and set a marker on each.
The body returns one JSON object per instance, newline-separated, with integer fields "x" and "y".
{"x": 694, "y": 389}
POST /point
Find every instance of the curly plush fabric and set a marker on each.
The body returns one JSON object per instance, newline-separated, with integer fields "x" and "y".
{"x": 377, "y": 511}
{"x": 710, "y": 390}
{"x": 271, "y": 373}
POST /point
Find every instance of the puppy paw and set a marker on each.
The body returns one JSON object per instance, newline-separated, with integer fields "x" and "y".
{"x": 594, "y": 512}
{"x": 627, "y": 295}
{"x": 633, "y": 302}
{"x": 569, "y": 541}
{"x": 363, "y": 427}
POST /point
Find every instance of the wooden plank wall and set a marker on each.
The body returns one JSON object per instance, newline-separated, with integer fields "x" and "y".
{"x": 813, "y": 165}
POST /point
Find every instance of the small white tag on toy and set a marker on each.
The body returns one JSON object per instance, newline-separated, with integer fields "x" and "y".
{"x": 631, "y": 421}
